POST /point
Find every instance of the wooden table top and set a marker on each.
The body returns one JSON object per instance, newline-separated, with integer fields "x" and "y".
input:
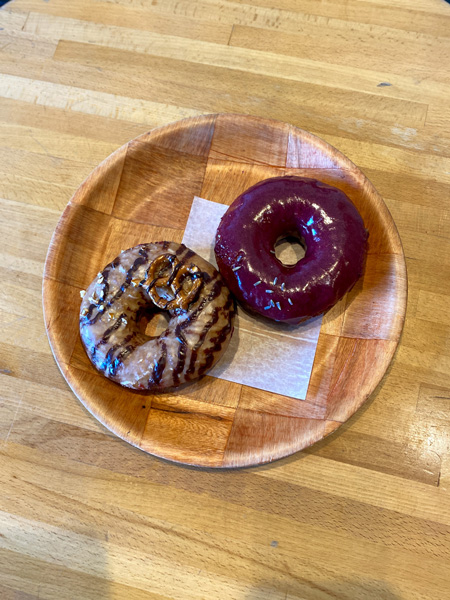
{"x": 364, "y": 513}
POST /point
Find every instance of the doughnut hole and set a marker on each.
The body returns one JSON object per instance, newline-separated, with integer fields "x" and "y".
{"x": 290, "y": 249}
{"x": 152, "y": 323}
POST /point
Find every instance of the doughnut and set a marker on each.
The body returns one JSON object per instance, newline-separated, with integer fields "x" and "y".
{"x": 150, "y": 278}
{"x": 328, "y": 226}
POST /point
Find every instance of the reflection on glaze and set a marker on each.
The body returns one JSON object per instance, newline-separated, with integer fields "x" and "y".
{"x": 334, "y": 236}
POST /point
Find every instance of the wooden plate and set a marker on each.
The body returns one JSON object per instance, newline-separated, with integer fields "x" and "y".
{"x": 143, "y": 192}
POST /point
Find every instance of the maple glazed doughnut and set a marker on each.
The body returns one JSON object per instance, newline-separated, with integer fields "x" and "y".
{"x": 319, "y": 215}
{"x": 160, "y": 276}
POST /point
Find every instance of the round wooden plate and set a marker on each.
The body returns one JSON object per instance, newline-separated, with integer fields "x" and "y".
{"x": 143, "y": 192}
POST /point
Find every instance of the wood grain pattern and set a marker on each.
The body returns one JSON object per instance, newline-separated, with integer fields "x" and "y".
{"x": 365, "y": 512}
{"x": 151, "y": 181}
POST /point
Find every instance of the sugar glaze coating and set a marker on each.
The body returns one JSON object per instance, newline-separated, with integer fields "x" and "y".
{"x": 144, "y": 279}
{"x": 333, "y": 232}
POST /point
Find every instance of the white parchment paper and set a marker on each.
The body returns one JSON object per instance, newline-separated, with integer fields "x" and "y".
{"x": 270, "y": 356}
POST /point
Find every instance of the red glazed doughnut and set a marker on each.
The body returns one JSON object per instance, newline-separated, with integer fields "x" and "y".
{"x": 322, "y": 216}
{"x": 144, "y": 279}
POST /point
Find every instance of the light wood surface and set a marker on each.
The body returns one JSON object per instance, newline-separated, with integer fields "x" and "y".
{"x": 143, "y": 193}
{"x": 364, "y": 513}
